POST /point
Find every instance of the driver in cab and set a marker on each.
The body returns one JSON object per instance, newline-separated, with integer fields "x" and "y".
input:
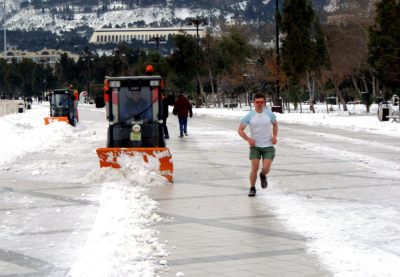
{"x": 136, "y": 108}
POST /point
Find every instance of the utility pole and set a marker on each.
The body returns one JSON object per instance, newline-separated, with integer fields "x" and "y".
{"x": 43, "y": 63}
{"x": 120, "y": 63}
{"x": 88, "y": 83}
{"x": 4, "y": 28}
{"x": 87, "y": 57}
{"x": 197, "y": 22}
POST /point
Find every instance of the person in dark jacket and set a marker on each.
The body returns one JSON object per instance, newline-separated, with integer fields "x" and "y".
{"x": 182, "y": 109}
{"x": 168, "y": 100}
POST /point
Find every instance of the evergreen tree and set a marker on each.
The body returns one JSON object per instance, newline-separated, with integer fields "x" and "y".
{"x": 234, "y": 50}
{"x": 27, "y": 68}
{"x": 3, "y": 69}
{"x": 66, "y": 70}
{"x": 13, "y": 79}
{"x": 384, "y": 44}
{"x": 297, "y": 45}
{"x": 183, "y": 62}
{"x": 304, "y": 51}
{"x": 320, "y": 57}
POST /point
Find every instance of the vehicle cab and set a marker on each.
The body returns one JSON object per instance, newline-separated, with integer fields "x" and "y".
{"x": 63, "y": 106}
{"x": 134, "y": 111}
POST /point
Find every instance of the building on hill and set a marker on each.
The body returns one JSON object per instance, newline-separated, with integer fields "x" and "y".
{"x": 116, "y": 35}
{"x": 47, "y": 56}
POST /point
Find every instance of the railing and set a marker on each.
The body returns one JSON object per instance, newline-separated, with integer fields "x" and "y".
{"x": 9, "y": 106}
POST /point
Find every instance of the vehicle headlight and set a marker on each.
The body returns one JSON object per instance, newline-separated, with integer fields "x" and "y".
{"x": 136, "y": 128}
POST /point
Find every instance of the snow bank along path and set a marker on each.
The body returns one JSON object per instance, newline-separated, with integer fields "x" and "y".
{"x": 123, "y": 241}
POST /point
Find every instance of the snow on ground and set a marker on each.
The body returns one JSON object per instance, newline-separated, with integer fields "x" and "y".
{"x": 25, "y": 133}
{"x": 351, "y": 239}
{"x": 122, "y": 241}
{"x": 354, "y": 239}
{"x": 354, "y": 119}
{"x": 391, "y": 169}
{"x": 38, "y": 19}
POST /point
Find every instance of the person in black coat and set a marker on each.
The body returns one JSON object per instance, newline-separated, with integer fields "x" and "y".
{"x": 168, "y": 100}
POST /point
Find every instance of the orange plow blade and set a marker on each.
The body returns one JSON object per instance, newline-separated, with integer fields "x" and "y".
{"x": 108, "y": 157}
{"x": 48, "y": 120}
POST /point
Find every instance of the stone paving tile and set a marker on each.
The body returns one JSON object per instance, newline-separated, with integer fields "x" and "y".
{"x": 10, "y": 268}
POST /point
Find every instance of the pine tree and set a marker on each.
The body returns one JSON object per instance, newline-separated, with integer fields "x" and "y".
{"x": 304, "y": 50}
{"x": 384, "y": 43}
{"x": 297, "y": 22}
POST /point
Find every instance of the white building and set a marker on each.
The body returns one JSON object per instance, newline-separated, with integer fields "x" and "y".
{"x": 111, "y": 35}
{"x": 48, "y": 56}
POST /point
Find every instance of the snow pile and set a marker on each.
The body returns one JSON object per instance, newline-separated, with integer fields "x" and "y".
{"x": 352, "y": 244}
{"x": 122, "y": 242}
{"x": 23, "y": 134}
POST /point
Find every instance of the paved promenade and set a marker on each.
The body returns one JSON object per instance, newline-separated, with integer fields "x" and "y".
{"x": 211, "y": 227}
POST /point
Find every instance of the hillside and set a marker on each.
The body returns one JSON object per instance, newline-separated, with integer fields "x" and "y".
{"x": 55, "y": 15}
{"x": 80, "y": 17}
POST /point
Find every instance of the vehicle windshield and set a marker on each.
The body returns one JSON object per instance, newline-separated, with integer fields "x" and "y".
{"x": 135, "y": 104}
{"x": 61, "y": 100}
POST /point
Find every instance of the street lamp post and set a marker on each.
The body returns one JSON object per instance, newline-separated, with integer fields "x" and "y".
{"x": 197, "y": 22}
{"x": 4, "y": 28}
{"x": 43, "y": 63}
{"x": 277, "y": 101}
{"x": 87, "y": 56}
{"x": 119, "y": 55}
{"x": 157, "y": 39}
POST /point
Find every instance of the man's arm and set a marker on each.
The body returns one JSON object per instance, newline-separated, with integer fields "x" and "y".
{"x": 275, "y": 132}
{"x": 242, "y": 133}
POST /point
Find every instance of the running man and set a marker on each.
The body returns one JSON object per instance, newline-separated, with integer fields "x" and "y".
{"x": 264, "y": 133}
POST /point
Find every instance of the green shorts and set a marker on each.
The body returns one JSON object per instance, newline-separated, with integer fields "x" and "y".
{"x": 267, "y": 153}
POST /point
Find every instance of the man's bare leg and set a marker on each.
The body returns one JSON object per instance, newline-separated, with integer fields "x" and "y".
{"x": 253, "y": 174}
{"x": 264, "y": 172}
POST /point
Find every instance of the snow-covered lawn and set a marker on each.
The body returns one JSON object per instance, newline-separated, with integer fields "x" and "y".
{"x": 355, "y": 118}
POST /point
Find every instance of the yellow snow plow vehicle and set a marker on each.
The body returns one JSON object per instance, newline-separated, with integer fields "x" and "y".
{"x": 63, "y": 107}
{"x": 134, "y": 112}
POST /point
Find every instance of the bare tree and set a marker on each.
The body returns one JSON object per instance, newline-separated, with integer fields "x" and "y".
{"x": 348, "y": 48}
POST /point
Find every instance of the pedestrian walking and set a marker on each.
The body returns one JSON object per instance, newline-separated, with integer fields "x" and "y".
{"x": 264, "y": 132}
{"x": 183, "y": 109}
